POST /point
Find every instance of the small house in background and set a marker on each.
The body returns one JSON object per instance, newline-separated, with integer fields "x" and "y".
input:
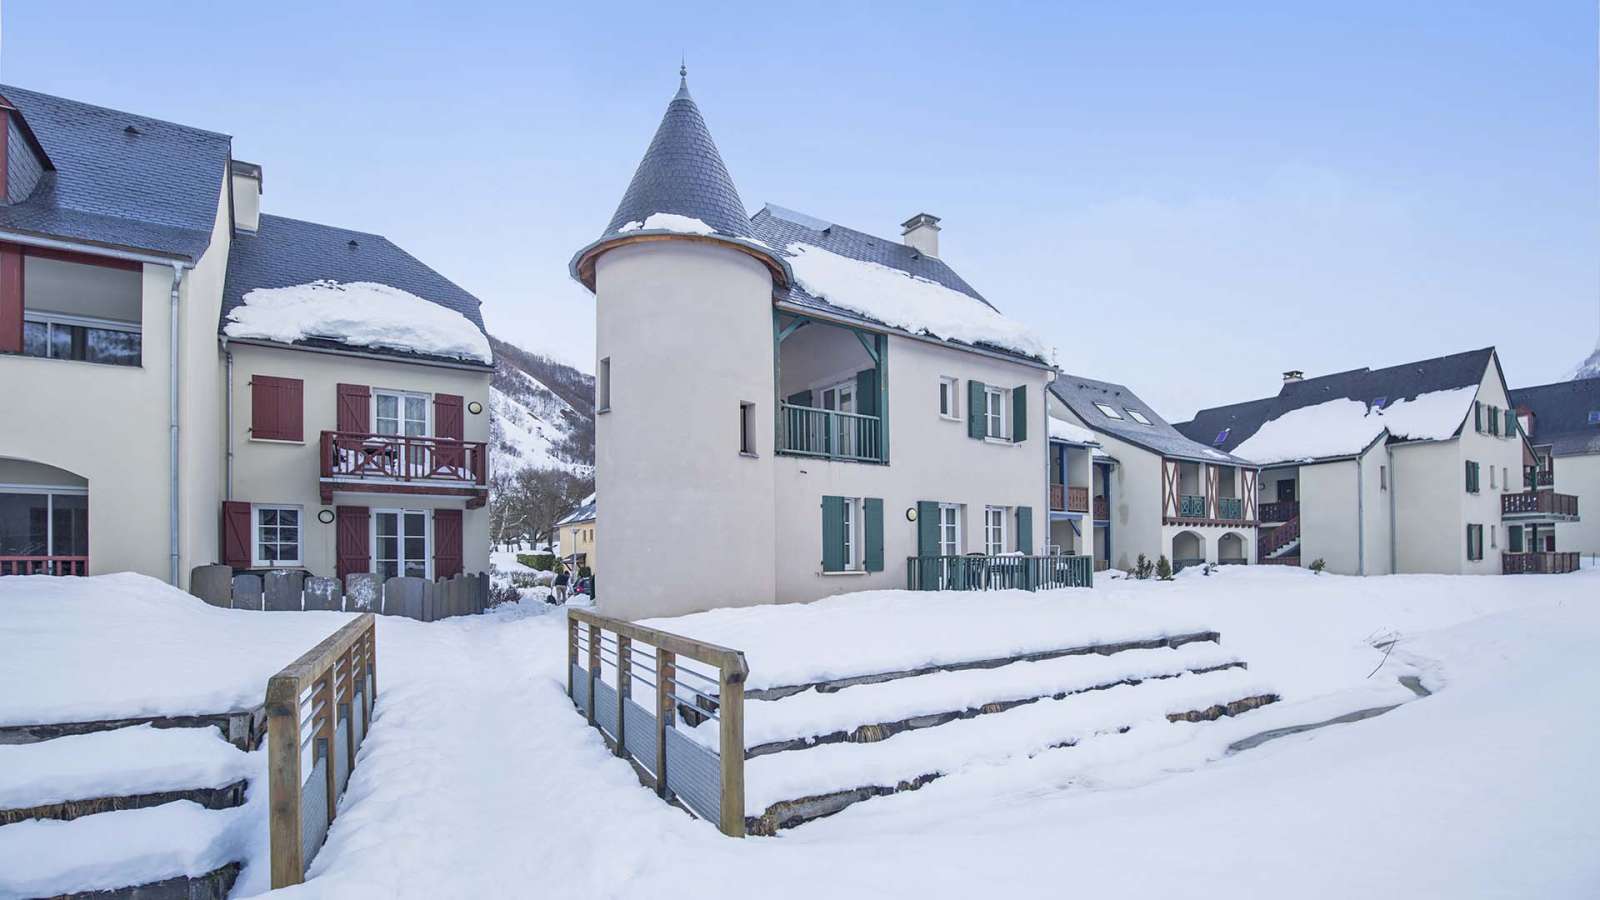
{"x": 1150, "y": 489}
{"x": 575, "y": 532}
{"x": 1562, "y": 422}
{"x": 1411, "y": 468}
{"x": 192, "y": 381}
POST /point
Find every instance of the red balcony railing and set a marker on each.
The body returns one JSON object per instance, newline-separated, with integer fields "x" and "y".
{"x": 1058, "y": 496}
{"x": 1546, "y": 563}
{"x": 1102, "y": 509}
{"x": 43, "y": 565}
{"x": 1539, "y": 503}
{"x": 405, "y": 458}
{"x": 1069, "y": 499}
{"x": 1279, "y": 511}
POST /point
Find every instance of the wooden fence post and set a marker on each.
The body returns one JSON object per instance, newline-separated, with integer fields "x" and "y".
{"x": 572, "y": 652}
{"x": 730, "y": 718}
{"x": 624, "y": 686}
{"x": 666, "y": 671}
{"x": 283, "y": 776}
{"x": 330, "y": 718}
{"x": 594, "y": 665}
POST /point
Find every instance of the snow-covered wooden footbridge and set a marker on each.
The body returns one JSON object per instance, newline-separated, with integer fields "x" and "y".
{"x": 829, "y": 704}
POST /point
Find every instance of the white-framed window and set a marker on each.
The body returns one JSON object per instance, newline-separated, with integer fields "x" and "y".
{"x": 1108, "y": 410}
{"x": 747, "y": 428}
{"x": 401, "y": 543}
{"x": 400, "y": 412}
{"x": 1505, "y": 477}
{"x": 44, "y": 520}
{"x": 949, "y": 406}
{"x": 1138, "y": 416}
{"x": 1383, "y": 478}
{"x": 83, "y": 338}
{"x": 852, "y": 546}
{"x": 1494, "y": 483}
{"x": 994, "y": 530}
{"x": 276, "y": 536}
{"x": 994, "y": 413}
{"x": 1492, "y": 536}
{"x": 602, "y": 387}
{"x": 949, "y": 529}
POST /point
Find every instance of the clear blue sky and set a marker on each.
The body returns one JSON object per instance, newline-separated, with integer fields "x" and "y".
{"x": 1188, "y": 198}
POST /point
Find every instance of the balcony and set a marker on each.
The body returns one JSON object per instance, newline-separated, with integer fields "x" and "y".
{"x": 1102, "y": 509}
{"x": 829, "y": 434}
{"x": 1539, "y": 505}
{"x": 1548, "y": 563}
{"x": 404, "y": 464}
{"x": 1534, "y": 477}
{"x": 1069, "y": 499}
{"x": 1230, "y": 509}
{"x": 1280, "y": 511}
{"x": 1192, "y": 506}
{"x": 976, "y": 572}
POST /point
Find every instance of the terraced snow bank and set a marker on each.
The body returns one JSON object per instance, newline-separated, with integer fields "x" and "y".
{"x": 137, "y": 760}
{"x": 128, "y": 646}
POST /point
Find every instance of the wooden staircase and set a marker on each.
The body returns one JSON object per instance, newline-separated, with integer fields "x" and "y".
{"x": 1281, "y": 544}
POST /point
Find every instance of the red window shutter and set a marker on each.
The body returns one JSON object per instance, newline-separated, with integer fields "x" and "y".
{"x": 353, "y": 544}
{"x": 236, "y": 540}
{"x": 446, "y": 543}
{"x": 447, "y": 422}
{"x": 10, "y": 298}
{"x": 354, "y": 409}
{"x": 277, "y": 408}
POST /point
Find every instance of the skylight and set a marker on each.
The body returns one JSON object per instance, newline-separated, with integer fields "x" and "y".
{"x": 1138, "y": 416}
{"x": 1109, "y": 412}
{"x": 1378, "y": 402}
{"x": 1222, "y": 437}
{"x": 1594, "y": 417}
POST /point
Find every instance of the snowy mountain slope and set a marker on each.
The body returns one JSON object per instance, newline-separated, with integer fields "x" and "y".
{"x": 542, "y": 413}
{"x": 1589, "y": 368}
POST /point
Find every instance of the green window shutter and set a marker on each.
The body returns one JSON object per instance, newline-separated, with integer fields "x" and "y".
{"x": 1019, "y": 413}
{"x": 872, "y": 524}
{"x": 1511, "y": 423}
{"x": 976, "y": 422}
{"x": 927, "y": 528}
{"x": 833, "y": 534}
{"x": 800, "y": 398}
{"x": 867, "y": 392}
{"x": 1477, "y": 416}
{"x": 1025, "y": 530}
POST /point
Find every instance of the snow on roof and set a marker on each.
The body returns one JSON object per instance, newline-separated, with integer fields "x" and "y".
{"x": 1062, "y": 430}
{"x": 358, "y": 313}
{"x": 663, "y": 221}
{"x": 902, "y": 300}
{"x": 1345, "y": 427}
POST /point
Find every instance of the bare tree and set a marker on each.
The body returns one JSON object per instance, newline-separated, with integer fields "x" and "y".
{"x": 526, "y": 505}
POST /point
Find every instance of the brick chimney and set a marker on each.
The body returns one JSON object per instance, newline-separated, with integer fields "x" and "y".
{"x": 922, "y": 234}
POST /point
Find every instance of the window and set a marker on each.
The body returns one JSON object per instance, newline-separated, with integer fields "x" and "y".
{"x": 1494, "y": 420}
{"x": 852, "y": 534}
{"x": 747, "y": 428}
{"x": 994, "y": 400}
{"x": 949, "y": 529}
{"x": 1514, "y": 538}
{"x": 1383, "y": 478}
{"x": 1477, "y": 416}
{"x": 602, "y": 387}
{"x": 1222, "y": 437}
{"x": 1109, "y": 412}
{"x": 44, "y": 521}
{"x": 1378, "y": 402}
{"x": 1511, "y": 423}
{"x": 1472, "y": 477}
{"x": 851, "y": 545}
{"x": 947, "y": 398}
{"x": 277, "y": 536}
{"x": 399, "y": 412}
{"x": 53, "y": 336}
{"x": 1493, "y": 482}
{"x": 994, "y": 530}
{"x": 1492, "y": 543}
{"x": 1505, "y": 477}
{"x": 77, "y": 307}
{"x": 1594, "y": 417}
{"x": 1137, "y": 416}
{"x": 400, "y": 545}
{"x": 1474, "y": 542}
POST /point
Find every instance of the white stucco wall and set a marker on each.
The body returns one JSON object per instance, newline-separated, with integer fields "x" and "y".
{"x": 1505, "y": 455}
{"x": 690, "y": 522}
{"x": 1580, "y": 476}
{"x": 930, "y": 458}
{"x": 1344, "y": 514}
{"x": 283, "y": 472}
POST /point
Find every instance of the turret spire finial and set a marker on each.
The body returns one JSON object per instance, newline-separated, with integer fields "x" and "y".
{"x": 683, "y": 78}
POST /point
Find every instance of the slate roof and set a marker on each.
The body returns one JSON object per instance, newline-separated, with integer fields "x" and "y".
{"x": 1561, "y": 415}
{"x": 682, "y": 173}
{"x": 288, "y": 252}
{"x": 584, "y": 513}
{"x": 1406, "y": 381}
{"x": 154, "y": 189}
{"x": 1080, "y": 395}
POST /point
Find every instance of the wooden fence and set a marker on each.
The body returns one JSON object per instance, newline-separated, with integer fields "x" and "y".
{"x": 287, "y": 589}
{"x": 680, "y": 763}
{"x": 319, "y": 709}
{"x": 976, "y": 572}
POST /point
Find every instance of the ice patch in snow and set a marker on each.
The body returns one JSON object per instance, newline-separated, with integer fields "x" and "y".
{"x": 902, "y": 300}
{"x": 1345, "y": 427}
{"x": 358, "y": 313}
{"x": 662, "y": 221}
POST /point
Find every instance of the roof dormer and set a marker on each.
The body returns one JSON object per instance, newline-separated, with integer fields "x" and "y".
{"x": 22, "y": 160}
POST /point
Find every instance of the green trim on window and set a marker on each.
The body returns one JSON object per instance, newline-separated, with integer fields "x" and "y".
{"x": 1025, "y": 530}
{"x": 1019, "y": 413}
{"x": 872, "y": 528}
{"x": 927, "y": 528}
{"x": 833, "y": 538}
{"x": 977, "y": 411}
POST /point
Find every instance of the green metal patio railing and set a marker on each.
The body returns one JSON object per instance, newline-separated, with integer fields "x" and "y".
{"x": 998, "y": 573}
{"x": 809, "y": 431}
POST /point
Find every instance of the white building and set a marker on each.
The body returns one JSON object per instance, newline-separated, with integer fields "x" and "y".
{"x": 1153, "y": 491}
{"x": 1562, "y": 421}
{"x": 1412, "y": 468}
{"x": 187, "y": 381}
{"x": 788, "y": 408}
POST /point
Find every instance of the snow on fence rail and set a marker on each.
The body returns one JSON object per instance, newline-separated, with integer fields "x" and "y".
{"x": 281, "y": 590}
{"x": 319, "y": 709}
{"x": 708, "y": 781}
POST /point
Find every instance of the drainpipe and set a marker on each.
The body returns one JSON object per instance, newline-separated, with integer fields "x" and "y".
{"x": 227, "y": 483}
{"x": 1394, "y": 560}
{"x": 1361, "y": 519}
{"x": 173, "y": 350}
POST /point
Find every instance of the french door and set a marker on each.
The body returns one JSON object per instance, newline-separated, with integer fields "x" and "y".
{"x": 400, "y": 544}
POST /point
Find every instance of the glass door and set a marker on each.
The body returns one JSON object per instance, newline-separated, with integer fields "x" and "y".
{"x": 400, "y": 543}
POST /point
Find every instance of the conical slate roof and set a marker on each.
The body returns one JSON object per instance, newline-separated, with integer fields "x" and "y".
{"x": 682, "y": 173}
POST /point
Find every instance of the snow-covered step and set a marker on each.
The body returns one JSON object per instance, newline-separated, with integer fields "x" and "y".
{"x": 179, "y": 849}
{"x": 787, "y": 789}
{"x": 876, "y": 711}
{"x": 128, "y": 768}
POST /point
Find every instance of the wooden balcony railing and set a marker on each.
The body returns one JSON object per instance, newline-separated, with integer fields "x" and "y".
{"x": 827, "y": 433}
{"x": 1546, "y": 563}
{"x": 1279, "y": 511}
{"x": 395, "y": 457}
{"x": 1069, "y": 499}
{"x": 977, "y": 572}
{"x": 43, "y": 565}
{"x": 1102, "y": 509}
{"x": 1533, "y": 477}
{"x": 1539, "y": 503}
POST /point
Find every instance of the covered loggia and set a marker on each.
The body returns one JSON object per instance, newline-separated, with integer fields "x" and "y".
{"x": 832, "y": 390}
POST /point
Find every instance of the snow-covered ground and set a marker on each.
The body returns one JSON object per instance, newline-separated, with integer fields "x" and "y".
{"x": 479, "y": 779}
